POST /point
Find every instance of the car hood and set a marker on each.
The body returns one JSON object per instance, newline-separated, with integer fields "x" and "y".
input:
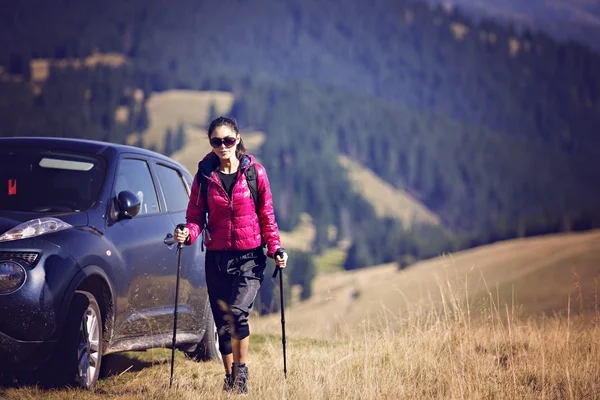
{"x": 10, "y": 219}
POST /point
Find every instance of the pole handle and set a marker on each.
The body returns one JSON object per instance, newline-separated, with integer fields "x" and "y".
{"x": 280, "y": 251}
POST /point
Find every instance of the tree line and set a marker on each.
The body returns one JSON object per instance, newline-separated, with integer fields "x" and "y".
{"x": 493, "y": 130}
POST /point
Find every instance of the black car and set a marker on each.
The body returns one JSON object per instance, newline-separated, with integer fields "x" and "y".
{"x": 87, "y": 262}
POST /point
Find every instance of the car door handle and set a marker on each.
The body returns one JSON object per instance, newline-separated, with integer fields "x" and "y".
{"x": 169, "y": 239}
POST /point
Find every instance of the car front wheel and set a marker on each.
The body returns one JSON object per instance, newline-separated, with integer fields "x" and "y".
{"x": 89, "y": 351}
{"x": 78, "y": 353}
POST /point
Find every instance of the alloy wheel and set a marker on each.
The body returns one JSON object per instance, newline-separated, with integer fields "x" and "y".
{"x": 88, "y": 350}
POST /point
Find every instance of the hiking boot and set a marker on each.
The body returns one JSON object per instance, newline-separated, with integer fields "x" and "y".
{"x": 228, "y": 384}
{"x": 240, "y": 378}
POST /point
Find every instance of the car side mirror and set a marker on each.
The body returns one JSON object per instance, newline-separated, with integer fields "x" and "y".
{"x": 129, "y": 204}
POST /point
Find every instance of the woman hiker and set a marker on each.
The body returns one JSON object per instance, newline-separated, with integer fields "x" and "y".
{"x": 234, "y": 236}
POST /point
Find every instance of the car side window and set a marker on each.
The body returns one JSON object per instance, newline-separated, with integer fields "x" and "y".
{"x": 176, "y": 194}
{"x": 134, "y": 175}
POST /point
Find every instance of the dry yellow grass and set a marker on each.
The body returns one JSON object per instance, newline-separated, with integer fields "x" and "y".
{"x": 445, "y": 354}
{"x": 446, "y": 343}
{"x": 385, "y": 199}
{"x": 535, "y": 275}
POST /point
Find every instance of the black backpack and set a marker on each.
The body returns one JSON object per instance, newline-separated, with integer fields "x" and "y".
{"x": 250, "y": 175}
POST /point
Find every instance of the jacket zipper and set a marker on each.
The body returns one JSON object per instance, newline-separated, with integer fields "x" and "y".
{"x": 218, "y": 182}
{"x": 231, "y": 204}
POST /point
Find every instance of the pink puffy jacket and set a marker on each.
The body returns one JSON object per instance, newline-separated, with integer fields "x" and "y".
{"x": 233, "y": 224}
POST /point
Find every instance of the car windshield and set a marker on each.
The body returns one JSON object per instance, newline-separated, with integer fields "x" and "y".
{"x": 42, "y": 180}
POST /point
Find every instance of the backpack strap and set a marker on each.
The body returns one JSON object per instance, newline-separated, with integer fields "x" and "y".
{"x": 204, "y": 193}
{"x": 253, "y": 185}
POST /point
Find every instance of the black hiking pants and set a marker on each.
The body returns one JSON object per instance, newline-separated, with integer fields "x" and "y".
{"x": 233, "y": 279}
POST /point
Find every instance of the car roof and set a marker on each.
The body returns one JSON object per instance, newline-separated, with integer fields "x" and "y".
{"x": 111, "y": 151}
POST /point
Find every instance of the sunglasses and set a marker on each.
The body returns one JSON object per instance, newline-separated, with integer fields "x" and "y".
{"x": 228, "y": 141}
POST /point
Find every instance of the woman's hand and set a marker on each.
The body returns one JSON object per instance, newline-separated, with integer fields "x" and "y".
{"x": 181, "y": 235}
{"x": 281, "y": 258}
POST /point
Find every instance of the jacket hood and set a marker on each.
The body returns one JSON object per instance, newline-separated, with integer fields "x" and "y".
{"x": 210, "y": 162}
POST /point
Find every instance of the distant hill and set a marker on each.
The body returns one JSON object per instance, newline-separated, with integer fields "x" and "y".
{"x": 577, "y": 20}
{"x": 492, "y": 129}
{"x": 192, "y": 109}
{"x": 533, "y": 276}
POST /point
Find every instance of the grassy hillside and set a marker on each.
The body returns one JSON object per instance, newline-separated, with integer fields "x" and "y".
{"x": 533, "y": 276}
{"x": 553, "y": 359}
{"x": 451, "y": 328}
{"x": 385, "y": 199}
{"x": 192, "y": 109}
{"x": 436, "y": 355}
{"x": 166, "y": 110}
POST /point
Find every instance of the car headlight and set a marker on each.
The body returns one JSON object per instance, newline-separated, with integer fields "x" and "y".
{"x": 12, "y": 276}
{"x": 35, "y": 227}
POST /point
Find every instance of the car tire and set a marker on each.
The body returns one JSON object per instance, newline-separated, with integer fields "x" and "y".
{"x": 208, "y": 348}
{"x": 77, "y": 357}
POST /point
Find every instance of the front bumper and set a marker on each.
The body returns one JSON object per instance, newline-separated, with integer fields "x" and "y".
{"x": 21, "y": 355}
{"x": 29, "y": 317}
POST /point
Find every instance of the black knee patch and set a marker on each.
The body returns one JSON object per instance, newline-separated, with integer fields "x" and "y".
{"x": 224, "y": 340}
{"x": 241, "y": 329}
{"x": 241, "y": 332}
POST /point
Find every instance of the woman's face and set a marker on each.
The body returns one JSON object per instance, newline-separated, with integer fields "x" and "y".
{"x": 222, "y": 137}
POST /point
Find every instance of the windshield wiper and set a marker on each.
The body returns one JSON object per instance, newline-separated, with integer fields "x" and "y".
{"x": 55, "y": 209}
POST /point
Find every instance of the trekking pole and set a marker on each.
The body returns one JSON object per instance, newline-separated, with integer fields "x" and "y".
{"x": 179, "y": 248}
{"x": 277, "y": 269}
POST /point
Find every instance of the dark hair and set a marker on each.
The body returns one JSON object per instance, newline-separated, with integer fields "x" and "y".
{"x": 230, "y": 122}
